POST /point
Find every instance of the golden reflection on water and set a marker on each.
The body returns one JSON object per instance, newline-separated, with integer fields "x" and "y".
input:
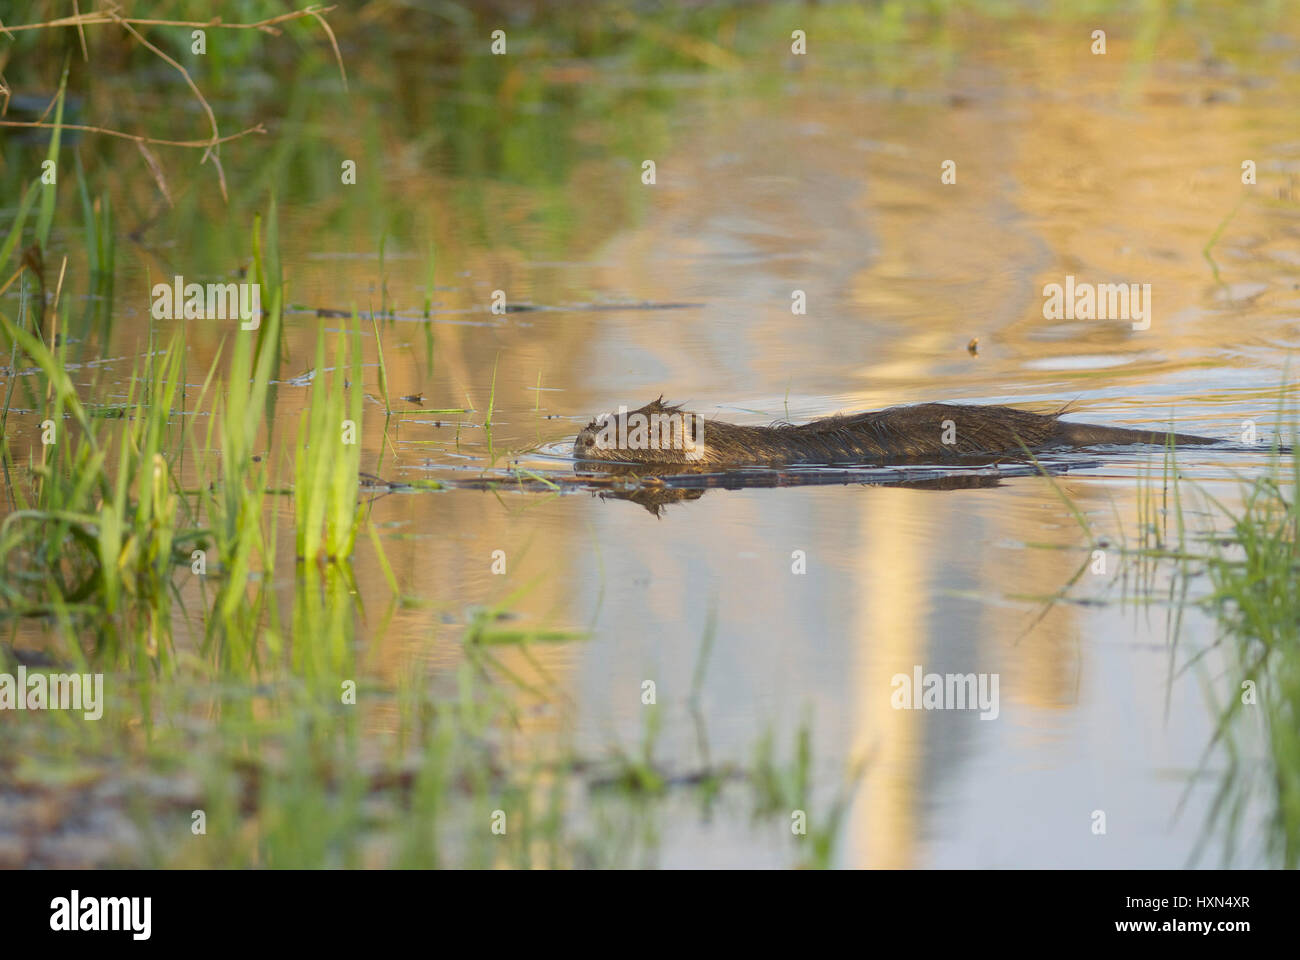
{"x": 1065, "y": 165}
{"x": 1033, "y": 648}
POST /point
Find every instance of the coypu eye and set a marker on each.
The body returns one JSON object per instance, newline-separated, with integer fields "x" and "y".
{"x": 589, "y": 442}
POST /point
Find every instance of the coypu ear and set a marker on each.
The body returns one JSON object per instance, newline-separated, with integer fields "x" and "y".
{"x": 658, "y": 406}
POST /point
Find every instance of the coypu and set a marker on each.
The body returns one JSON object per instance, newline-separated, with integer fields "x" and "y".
{"x": 665, "y": 434}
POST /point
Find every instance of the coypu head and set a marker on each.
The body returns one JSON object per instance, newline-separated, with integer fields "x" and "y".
{"x": 657, "y": 433}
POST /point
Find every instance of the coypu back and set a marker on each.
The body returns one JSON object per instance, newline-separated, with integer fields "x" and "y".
{"x": 926, "y": 430}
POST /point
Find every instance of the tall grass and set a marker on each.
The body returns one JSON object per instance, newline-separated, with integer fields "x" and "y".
{"x": 328, "y": 460}
{"x": 103, "y": 532}
{"x": 1248, "y": 552}
{"x": 107, "y": 521}
{"x": 1255, "y": 573}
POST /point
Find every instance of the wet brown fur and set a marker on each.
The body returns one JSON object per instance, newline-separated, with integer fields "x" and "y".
{"x": 896, "y": 433}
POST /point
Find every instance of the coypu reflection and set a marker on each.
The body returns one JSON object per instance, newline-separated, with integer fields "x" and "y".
{"x": 657, "y": 490}
{"x": 661, "y": 434}
{"x": 654, "y": 499}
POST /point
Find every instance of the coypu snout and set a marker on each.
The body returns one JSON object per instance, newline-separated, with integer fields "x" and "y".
{"x": 584, "y": 443}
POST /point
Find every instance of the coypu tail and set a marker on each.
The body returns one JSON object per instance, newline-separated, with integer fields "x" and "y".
{"x": 1089, "y": 434}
